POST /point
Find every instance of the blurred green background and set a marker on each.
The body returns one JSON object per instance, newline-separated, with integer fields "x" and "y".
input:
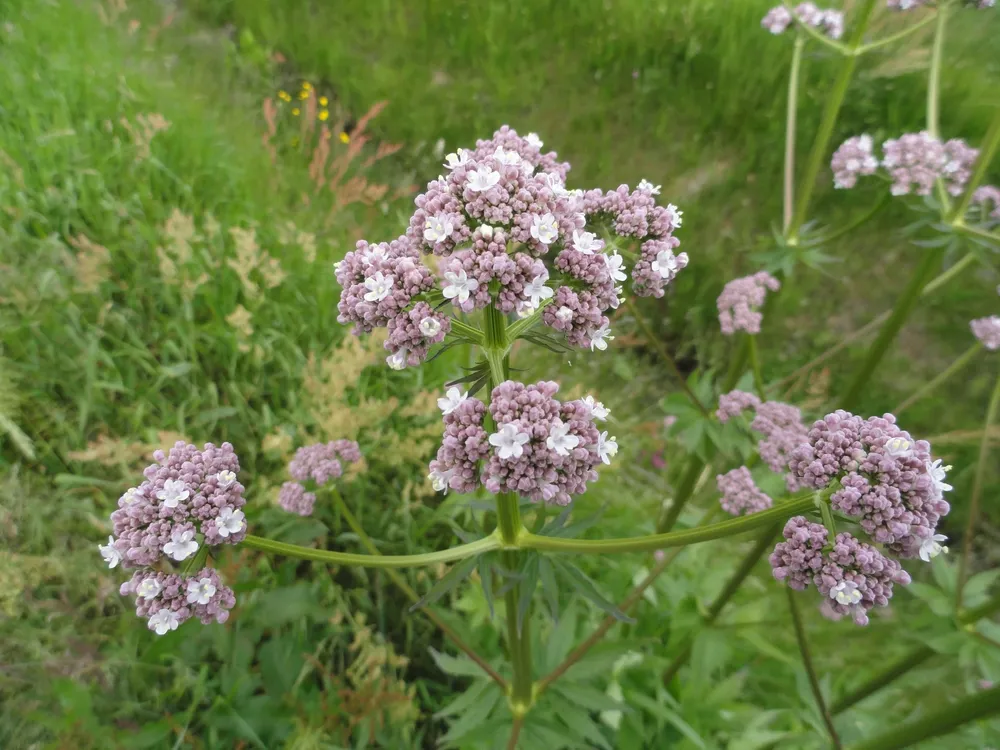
{"x": 165, "y": 271}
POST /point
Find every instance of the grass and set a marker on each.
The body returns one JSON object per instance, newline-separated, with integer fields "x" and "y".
{"x": 687, "y": 94}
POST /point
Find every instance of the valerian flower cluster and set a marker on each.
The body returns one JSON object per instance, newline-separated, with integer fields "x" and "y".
{"x": 190, "y": 498}
{"x": 828, "y": 21}
{"x": 319, "y": 464}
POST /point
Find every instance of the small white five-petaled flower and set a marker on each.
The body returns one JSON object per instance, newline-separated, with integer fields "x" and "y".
{"x": 459, "y": 286}
{"x": 226, "y": 478}
{"x": 564, "y": 314}
{"x": 181, "y": 545}
{"x": 397, "y": 361}
{"x": 229, "y": 521}
{"x": 525, "y": 308}
{"x": 606, "y": 447}
{"x": 507, "y": 158}
{"x": 373, "y": 254}
{"x": 148, "y": 588}
{"x": 486, "y": 231}
{"x": 675, "y": 215}
{"x": 535, "y": 290}
{"x": 665, "y": 264}
{"x": 163, "y": 621}
{"x": 648, "y": 187}
{"x": 560, "y": 440}
{"x": 932, "y": 547}
{"x": 130, "y": 496}
{"x": 440, "y": 479}
{"x": 453, "y": 161}
{"x": 938, "y": 474}
{"x": 379, "y": 287}
{"x": 533, "y": 140}
{"x": 509, "y": 442}
{"x": 200, "y": 591}
{"x": 599, "y": 339}
{"x": 437, "y": 228}
{"x": 597, "y": 409}
{"x": 898, "y": 447}
{"x": 430, "y": 327}
{"x": 846, "y": 593}
{"x": 586, "y": 242}
{"x": 615, "y": 264}
{"x": 110, "y": 552}
{"x": 453, "y": 398}
{"x": 174, "y": 490}
{"x": 483, "y": 179}
{"x": 544, "y": 228}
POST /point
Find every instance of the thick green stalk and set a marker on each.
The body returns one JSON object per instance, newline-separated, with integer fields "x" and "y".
{"x": 898, "y": 36}
{"x": 955, "y": 367}
{"x": 987, "y": 151}
{"x": 470, "y": 332}
{"x": 934, "y": 724}
{"x": 933, "y": 96}
{"x": 904, "y": 306}
{"x": 732, "y": 586}
{"x": 758, "y": 378}
{"x": 790, "y": 125}
{"x": 685, "y": 488}
{"x": 834, "y": 101}
{"x": 807, "y": 662}
{"x": 404, "y": 586}
{"x": 374, "y": 561}
{"x": 977, "y": 493}
{"x": 767, "y": 518}
{"x": 909, "y": 660}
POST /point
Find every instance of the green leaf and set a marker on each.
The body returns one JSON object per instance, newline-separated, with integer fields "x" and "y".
{"x": 528, "y": 584}
{"x": 577, "y": 722}
{"x": 939, "y": 602}
{"x": 671, "y": 717}
{"x": 465, "y": 700}
{"x": 561, "y": 638}
{"x": 473, "y": 717}
{"x": 287, "y": 604}
{"x": 280, "y": 662}
{"x": 211, "y": 416}
{"x": 456, "y": 666}
{"x": 587, "y": 697}
{"x": 978, "y": 586}
{"x": 550, "y": 589}
{"x": 485, "y": 570}
{"x": 580, "y": 583}
{"x": 577, "y": 528}
{"x": 455, "y": 576}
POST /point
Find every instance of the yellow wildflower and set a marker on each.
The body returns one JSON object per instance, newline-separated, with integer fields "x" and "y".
{"x": 323, "y": 101}
{"x": 306, "y": 86}
{"x": 345, "y": 138}
{"x": 284, "y": 96}
{"x": 303, "y": 94}
{"x": 323, "y": 114}
{"x": 295, "y": 111}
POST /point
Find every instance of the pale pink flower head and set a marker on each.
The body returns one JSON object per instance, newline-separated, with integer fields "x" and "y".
{"x": 987, "y": 330}
{"x": 987, "y": 197}
{"x": 740, "y": 494}
{"x": 854, "y": 158}
{"x": 740, "y": 302}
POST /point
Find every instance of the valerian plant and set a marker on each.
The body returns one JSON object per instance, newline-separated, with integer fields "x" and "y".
{"x": 518, "y": 256}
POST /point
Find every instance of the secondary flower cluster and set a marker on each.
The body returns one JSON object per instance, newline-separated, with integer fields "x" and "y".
{"x": 740, "y": 301}
{"x": 319, "y": 463}
{"x": 853, "y": 577}
{"x": 190, "y": 497}
{"x": 531, "y": 445}
{"x": 987, "y": 197}
{"x": 914, "y": 161}
{"x": 828, "y": 21}
{"x": 987, "y": 330}
{"x": 498, "y": 212}
{"x": 911, "y": 4}
{"x": 740, "y": 495}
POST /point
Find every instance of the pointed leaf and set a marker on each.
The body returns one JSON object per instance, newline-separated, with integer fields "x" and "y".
{"x": 550, "y": 589}
{"x": 455, "y": 576}
{"x": 588, "y": 589}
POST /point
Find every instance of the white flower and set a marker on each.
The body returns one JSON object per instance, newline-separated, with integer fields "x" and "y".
{"x": 586, "y": 242}
{"x": 174, "y": 490}
{"x": 200, "y": 591}
{"x": 606, "y": 447}
{"x": 372, "y": 254}
{"x": 397, "y": 361}
{"x": 225, "y": 478}
{"x": 554, "y": 183}
{"x": 898, "y": 447}
{"x": 525, "y": 308}
{"x": 379, "y": 287}
{"x": 665, "y": 264}
{"x": 149, "y": 588}
{"x": 846, "y": 593}
{"x": 440, "y": 480}
{"x": 110, "y": 552}
{"x": 597, "y": 409}
{"x": 535, "y": 290}
{"x": 508, "y": 158}
{"x": 453, "y": 398}
{"x": 938, "y": 473}
{"x": 483, "y": 179}
{"x": 648, "y": 187}
{"x": 459, "y": 286}
{"x": 181, "y": 545}
{"x": 533, "y": 140}
{"x": 486, "y": 231}
{"x": 560, "y": 440}
{"x": 130, "y": 496}
{"x": 453, "y": 161}
{"x": 615, "y": 264}
{"x": 229, "y": 521}
{"x": 932, "y": 547}
{"x": 437, "y": 228}
{"x": 544, "y": 228}
{"x": 564, "y": 314}
{"x": 599, "y": 339}
{"x": 619, "y": 297}
{"x": 430, "y": 327}
{"x": 509, "y": 441}
{"x": 675, "y": 215}
{"x": 163, "y": 621}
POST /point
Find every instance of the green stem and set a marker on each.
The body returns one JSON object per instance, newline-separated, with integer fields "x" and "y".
{"x": 909, "y": 660}
{"x": 977, "y": 232}
{"x": 665, "y": 356}
{"x": 374, "y": 561}
{"x": 986, "y": 153}
{"x": 732, "y": 586}
{"x": 470, "y": 332}
{"x": 790, "y": 126}
{"x": 819, "y": 37}
{"x": 827, "y": 514}
{"x": 955, "y": 367}
{"x": 832, "y": 108}
{"x": 404, "y": 586}
{"x": 850, "y": 226}
{"x": 899, "y": 35}
{"x": 736, "y": 365}
{"x": 936, "y": 723}
{"x": 807, "y": 662}
{"x": 933, "y": 97}
{"x": 758, "y": 380}
{"x": 515, "y": 732}
{"x": 685, "y": 488}
{"x": 519, "y": 327}
{"x": 732, "y": 527}
{"x": 904, "y": 306}
{"x": 977, "y": 493}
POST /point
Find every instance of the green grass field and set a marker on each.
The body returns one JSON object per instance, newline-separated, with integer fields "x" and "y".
{"x": 165, "y": 273}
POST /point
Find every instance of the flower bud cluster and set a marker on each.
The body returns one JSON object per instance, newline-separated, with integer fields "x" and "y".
{"x": 319, "y": 463}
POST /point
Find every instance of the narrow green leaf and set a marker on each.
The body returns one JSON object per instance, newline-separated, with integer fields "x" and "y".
{"x": 473, "y": 717}
{"x": 671, "y": 717}
{"x": 485, "y": 569}
{"x": 587, "y": 697}
{"x": 560, "y": 639}
{"x": 465, "y": 700}
{"x": 550, "y": 589}
{"x": 458, "y": 573}
{"x": 588, "y": 590}
{"x": 456, "y": 666}
{"x": 528, "y": 585}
